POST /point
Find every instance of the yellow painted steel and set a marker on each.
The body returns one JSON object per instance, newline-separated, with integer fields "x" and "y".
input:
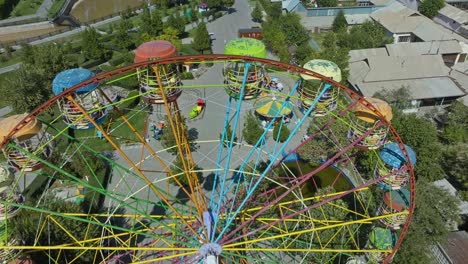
{"x": 178, "y": 129}
{"x": 314, "y": 229}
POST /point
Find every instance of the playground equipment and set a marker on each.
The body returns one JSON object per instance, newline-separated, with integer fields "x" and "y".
{"x": 238, "y": 74}
{"x": 86, "y": 97}
{"x": 312, "y": 86}
{"x": 365, "y": 120}
{"x": 226, "y": 202}
{"x": 155, "y": 79}
{"x": 26, "y": 149}
{"x": 196, "y": 111}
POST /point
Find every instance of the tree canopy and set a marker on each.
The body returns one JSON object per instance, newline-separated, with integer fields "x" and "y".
{"x": 201, "y": 40}
{"x": 339, "y": 23}
{"x": 327, "y": 3}
{"x": 252, "y": 130}
{"x": 430, "y": 8}
{"x": 257, "y": 13}
{"x": 421, "y": 135}
{"x": 435, "y": 208}
{"x": 92, "y": 46}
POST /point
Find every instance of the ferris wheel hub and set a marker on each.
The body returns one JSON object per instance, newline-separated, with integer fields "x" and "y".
{"x": 210, "y": 252}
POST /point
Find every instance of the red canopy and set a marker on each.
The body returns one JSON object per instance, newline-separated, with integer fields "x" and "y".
{"x": 154, "y": 49}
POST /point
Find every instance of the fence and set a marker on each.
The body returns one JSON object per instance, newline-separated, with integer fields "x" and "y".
{"x": 26, "y": 20}
{"x": 27, "y": 40}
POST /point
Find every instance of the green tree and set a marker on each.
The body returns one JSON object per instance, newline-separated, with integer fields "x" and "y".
{"x": 27, "y": 89}
{"x": 252, "y": 130}
{"x": 201, "y": 40}
{"x": 151, "y": 22}
{"x": 48, "y": 59}
{"x": 421, "y": 135}
{"x": 227, "y": 3}
{"x": 228, "y": 136}
{"x": 430, "y": 8}
{"x": 327, "y": 3}
{"x": 281, "y": 132}
{"x": 171, "y": 34}
{"x": 257, "y": 13}
{"x": 339, "y": 23}
{"x": 455, "y": 128}
{"x": 193, "y": 172}
{"x": 177, "y": 23}
{"x": 275, "y": 39}
{"x": 435, "y": 208}
{"x": 399, "y": 99}
{"x": 304, "y": 53}
{"x": 27, "y": 222}
{"x": 92, "y": 46}
{"x": 121, "y": 38}
{"x": 214, "y": 4}
{"x": 455, "y": 165}
{"x": 333, "y": 52}
{"x": 291, "y": 26}
{"x": 168, "y": 139}
{"x": 368, "y": 35}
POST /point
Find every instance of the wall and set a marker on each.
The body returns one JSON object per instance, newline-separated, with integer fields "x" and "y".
{"x": 333, "y": 11}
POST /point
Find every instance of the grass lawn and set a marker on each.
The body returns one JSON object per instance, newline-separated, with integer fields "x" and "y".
{"x": 55, "y": 8}
{"x": 26, "y": 7}
{"x": 3, "y": 78}
{"x": 120, "y": 132}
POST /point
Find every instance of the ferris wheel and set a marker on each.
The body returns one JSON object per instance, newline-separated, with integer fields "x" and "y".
{"x": 252, "y": 161}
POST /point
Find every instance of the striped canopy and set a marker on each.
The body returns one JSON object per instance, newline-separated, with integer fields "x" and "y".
{"x": 270, "y": 107}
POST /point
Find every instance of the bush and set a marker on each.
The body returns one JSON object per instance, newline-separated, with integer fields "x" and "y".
{"x": 186, "y": 76}
{"x": 92, "y": 63}
{"x": 283, "y": 133}
{"x": 218, "y": 15}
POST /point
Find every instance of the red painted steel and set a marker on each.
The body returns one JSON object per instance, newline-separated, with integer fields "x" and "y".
{"x": 104, "y": 76}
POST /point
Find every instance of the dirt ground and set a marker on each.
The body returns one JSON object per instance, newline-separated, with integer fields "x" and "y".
{"x": 10, "y": 34}
{"x": 88, "y": 10}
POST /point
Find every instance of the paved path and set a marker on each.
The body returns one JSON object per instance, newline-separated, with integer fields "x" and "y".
{"x": 10, "y": 68}
{"x": 44, "y": 8}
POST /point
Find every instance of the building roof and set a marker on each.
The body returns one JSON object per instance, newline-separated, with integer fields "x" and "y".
{"x": 424, "y": 48}
{"x": 454, "y": 13}
{"x": 357, "y": 19}
{"x": 361, "y": 54}
{"x": 399, "y": 68}
{"x": 444, "y": 184}
{"x": 457, "y": 243}
{"x": 399, "y": 19}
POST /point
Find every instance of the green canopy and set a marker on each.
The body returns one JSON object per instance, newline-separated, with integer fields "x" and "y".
{"x": 247, "y": 47}
{"x": 382, "y": 238}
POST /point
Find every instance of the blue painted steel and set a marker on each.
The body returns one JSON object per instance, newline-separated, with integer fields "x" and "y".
{"x": 229, "y": 216}
{"x": 72, "y": 77}
{"x": 229, "y": 148}
{"x": 392, "y": 155}
{"x": 220, "y": 153}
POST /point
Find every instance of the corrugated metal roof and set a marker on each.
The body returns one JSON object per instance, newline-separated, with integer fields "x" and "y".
{"x": 457, "y": 243}
{"x": 424, "y": 48}
{"x": 424, "y": 88}
{"x": 400, "y": 68}
{"x": 357, "y": 19}
{"x": 429, "y": 31}
{"x": 397, "y": 18}
{"x": 454, "y": 13}
{"x": 357, "y": 55}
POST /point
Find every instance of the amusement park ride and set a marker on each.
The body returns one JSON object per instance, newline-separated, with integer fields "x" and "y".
{"x": 281, "y": 209}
